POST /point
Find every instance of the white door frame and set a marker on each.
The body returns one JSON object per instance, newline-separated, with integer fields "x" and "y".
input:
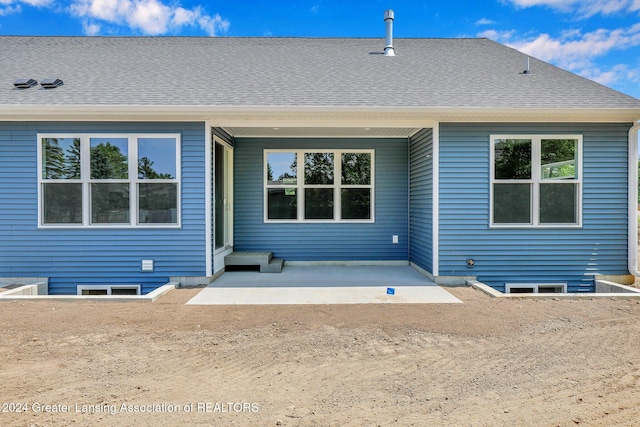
{"x": 220, "y": 253}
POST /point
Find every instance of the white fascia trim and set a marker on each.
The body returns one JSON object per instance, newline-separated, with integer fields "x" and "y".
{"x": 208, "y": 214}
{"x": 312, "y": 115}
{"x": 38, "y": 108}
{"x": 436, "y": 199}
{"x": 633, "y": 199}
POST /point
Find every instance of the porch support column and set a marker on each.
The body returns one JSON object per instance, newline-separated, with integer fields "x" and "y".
{"x": 436, "y": 199}
{"x": 208, "y": 201}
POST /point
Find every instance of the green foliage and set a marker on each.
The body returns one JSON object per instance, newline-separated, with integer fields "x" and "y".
{"x": 146, "y": 171}
{"x": 58, "y": 164}
{"x": 73, "y": 160}
{"x": 269, "y": 172}
{"x": 108, "y": 162}
{"x": 356, "y": 169}
{"x": 554, "y": 152}
{"x": 318, "y": 168}
{"x": 513, "y": 159}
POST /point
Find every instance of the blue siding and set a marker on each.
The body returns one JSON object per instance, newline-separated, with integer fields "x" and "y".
{"x": 421, "y": 199}
{"x": 526, "y": 255}
{"x": 325, "y": 241}
{"x": 73, "y": 256}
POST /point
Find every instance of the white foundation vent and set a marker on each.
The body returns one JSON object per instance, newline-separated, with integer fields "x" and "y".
{"x": 147, "y": 265}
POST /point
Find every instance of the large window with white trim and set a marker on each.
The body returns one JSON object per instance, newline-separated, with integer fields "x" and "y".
{"x": 319, "y": 185}
{"x": 536, "y": 180}
{"x": 88, "y": 180}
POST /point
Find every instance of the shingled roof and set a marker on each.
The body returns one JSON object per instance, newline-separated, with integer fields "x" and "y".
{"x": 290, "y": 73}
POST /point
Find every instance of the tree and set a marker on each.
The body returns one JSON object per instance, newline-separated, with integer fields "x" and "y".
{"x": 356, "y": 169}
{"x": 318, "y": 168}
{"x": 146, "y": 171}
{"x": 269, "y": 172}
{"x": 72, "y": 168}
{"x": 513, "y": 159}
{"x": 108, "y": 162}
{"x": 54, "y": 159}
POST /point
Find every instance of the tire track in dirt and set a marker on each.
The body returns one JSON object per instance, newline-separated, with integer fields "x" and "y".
{"x": 564, "y": 367}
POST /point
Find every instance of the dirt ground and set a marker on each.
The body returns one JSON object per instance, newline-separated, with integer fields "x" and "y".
{"x": 486, "y": 362}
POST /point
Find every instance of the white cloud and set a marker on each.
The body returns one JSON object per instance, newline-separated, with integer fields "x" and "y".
{"x": 577, "y": 51}
{"x": 499, "y": 36}
{"x": 183, "y": 16}
{"x": 148, "y": 16}
{"x": 90, "y": 29}
{"x": 608, "y": 77}
{"x": 8, "y": 7}
{"x": 573, "y": 47}
{"x": 316, "y": 8}
{"x": 37, "y": 3}
{"x": 8, "y": 10}
{"x": 584, "y": 8}
{"x": 213, "y": 25}
{"x": 485, "y": 21}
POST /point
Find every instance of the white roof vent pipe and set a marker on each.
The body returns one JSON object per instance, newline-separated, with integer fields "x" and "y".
{"x": 388, "y": 20}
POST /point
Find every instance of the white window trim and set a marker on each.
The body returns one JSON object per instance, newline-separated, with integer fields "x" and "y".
{"x": 230, "y": 200}
{"x": 337, "y": 186}
{"x": 536, "y": 287}
{"x": 536, "y": 179}
{"x": 133, "y": 181}
{"x": 108, "y": 288}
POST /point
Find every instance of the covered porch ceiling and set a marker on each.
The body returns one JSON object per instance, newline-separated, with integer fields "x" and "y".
{"x": 320, "y": 132}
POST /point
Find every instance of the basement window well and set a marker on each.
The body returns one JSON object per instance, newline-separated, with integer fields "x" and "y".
{"x": 535, "y": 288}
{"x": 93, "y": 290}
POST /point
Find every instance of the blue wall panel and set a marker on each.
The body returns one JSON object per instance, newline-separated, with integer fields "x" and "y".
{"x": 323, "y": 241}
{"x": 527, "y": 255}
{"x": 85, "y": 255}
{"x": 421, "y": 199}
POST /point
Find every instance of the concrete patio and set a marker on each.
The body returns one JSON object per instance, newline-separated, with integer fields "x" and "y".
{"x": 324, "y": 285}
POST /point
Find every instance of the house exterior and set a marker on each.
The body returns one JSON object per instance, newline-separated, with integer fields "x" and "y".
{"x": 157, "y": 157}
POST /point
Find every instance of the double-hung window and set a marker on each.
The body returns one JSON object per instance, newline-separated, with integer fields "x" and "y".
{"x": 536, "y": 180}
{"x": 319, "y": 185}
{"x": 109, "y": 180}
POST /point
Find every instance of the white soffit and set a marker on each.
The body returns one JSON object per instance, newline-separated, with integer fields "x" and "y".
{"x": 310, "y": 132}
{"x": 249, "y": 121}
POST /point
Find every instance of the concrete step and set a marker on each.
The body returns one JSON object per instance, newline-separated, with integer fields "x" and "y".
{"x": 248, "y": 258}
{"x": 274, "y": 266}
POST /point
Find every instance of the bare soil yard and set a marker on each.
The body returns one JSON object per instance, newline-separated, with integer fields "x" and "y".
{"x": 486, "y": 362}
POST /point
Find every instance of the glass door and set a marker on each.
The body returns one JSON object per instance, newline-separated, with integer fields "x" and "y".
{"x": 223, "y": 196}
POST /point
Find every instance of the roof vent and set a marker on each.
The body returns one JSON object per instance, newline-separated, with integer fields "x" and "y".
{"x": 51, "y": 83}
{"x": 388, "y": 19}
{"x": 25, "y": 83}
{"x": 527, "y": 69}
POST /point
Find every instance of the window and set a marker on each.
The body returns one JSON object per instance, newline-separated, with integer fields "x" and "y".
{"x": 535, "y": 288}
{"x": 93, "y": 290}
{"x": 109, "y": 180}
{"x": 536, "y": 180}
{"x": 329, "y": 186}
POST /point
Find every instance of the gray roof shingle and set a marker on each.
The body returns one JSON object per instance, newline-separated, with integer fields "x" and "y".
{"x": 290, "y": 72}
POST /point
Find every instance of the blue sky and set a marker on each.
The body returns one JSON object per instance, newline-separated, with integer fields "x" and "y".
{"x": 598, "y": 39}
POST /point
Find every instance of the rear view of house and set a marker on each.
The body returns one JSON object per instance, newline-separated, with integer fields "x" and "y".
{"x": 129, "y": 162}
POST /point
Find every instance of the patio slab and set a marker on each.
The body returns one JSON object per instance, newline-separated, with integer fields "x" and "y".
{"x": 324, "y": 285}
